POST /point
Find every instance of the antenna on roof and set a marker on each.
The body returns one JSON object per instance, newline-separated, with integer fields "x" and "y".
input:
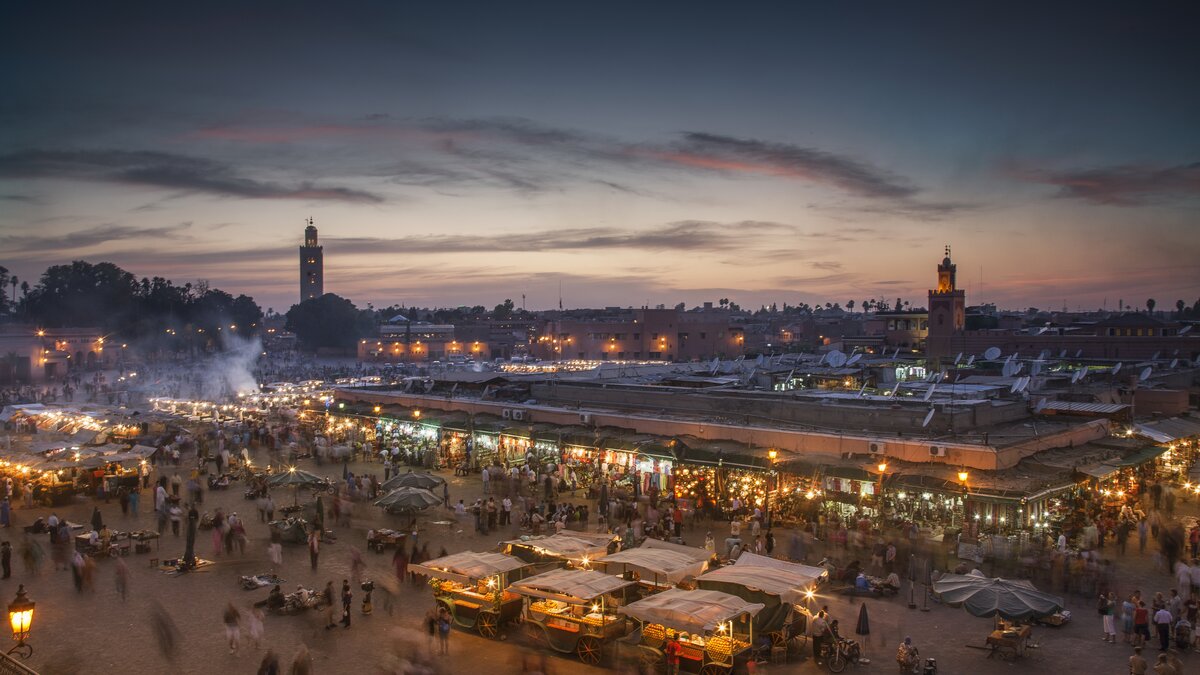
{"x": 716, "y": 366}
{"x": 895, "y": 389}
{"x": 991, "y": 353}
{"x": 930, "y": 390}
{"x": 823, "y": 358}
{"x": 1078, "y": 352}
{"x": 862, "y": 391}
{"x": 928, "y": 417}
{"x": 854, "y": 359}
{"x": 1043, "y": 355}
{"x": 897, "y": 352}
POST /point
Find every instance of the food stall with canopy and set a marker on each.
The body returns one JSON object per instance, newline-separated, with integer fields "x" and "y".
{"x": 782, "y": 588}
{"x": 473, "y": 587}
{"x": 574, "y": 610}
{"x": 714, "y": 629}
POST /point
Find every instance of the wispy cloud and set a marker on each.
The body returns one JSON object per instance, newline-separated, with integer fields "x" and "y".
{"x": 827, "y": 266}
{"x": 32, "y": 244}
{"x": 1119, "y": 185}
{"x": 165, "y": 170}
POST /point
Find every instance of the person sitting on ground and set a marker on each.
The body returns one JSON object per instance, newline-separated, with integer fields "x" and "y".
{"x": 275, "y": 599}
{"x": 892, "y": 582}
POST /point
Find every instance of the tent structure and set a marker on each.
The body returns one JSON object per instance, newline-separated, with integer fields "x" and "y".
{"x": 574, "y": 587}
{"x": 691, "y": 611}
{"x": 754, "y": 560}
{"x": 565, "y": 545}
{"x": 468, "y": 566}
{"x": 777, "y": 584}
{"x": 425, "y": 481}
{"x": 1013, "y": 600}
{"x": 408, "y": 500}
{"x": 660, "y": 562}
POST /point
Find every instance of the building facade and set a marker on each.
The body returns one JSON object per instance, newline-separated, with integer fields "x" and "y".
{"x": 641, "y": 335}
{"x": 312, "y": 265}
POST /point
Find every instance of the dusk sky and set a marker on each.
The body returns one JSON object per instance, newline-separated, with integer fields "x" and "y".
{"x": 642, "y": 153}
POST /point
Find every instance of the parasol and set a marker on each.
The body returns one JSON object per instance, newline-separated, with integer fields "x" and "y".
{"x": 864, "y": 623}
{"x": 295, "y": 478}
{"x": 425, "y": 481}
{"x": 1013, "y": 600}
{"x": 408, "y": 500}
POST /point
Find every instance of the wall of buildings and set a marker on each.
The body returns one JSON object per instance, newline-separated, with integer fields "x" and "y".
{"x": 641, "y": 335}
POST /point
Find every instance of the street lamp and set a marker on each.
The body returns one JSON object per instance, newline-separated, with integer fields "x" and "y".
{"x": 20, "y": 616}
{"x": 772, "y": 454}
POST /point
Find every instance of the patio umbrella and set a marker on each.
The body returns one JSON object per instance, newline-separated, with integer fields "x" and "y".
{"x": 425, "y": 481}
{"x": 864, "y": 624}
{"x": 408, "y": 500}
{"x": 296, "y": 479}
{"x": 1013, "y": 600}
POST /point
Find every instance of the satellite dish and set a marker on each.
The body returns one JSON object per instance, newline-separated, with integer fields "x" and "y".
{"x": 1024, "y": 383}
{"x": 928, "y": 418}
{"x": 958, "y": 358}
{"x": 1039, "y": 406}
{"x": 970, "y": 360}
{"x": 1145, "y": 374}
{"x": 823, "y": 357}
{"x": 1045, "y": 353}
{"x": 1175, "y": 353}
{"x": 854, "y": 359}
{"x": 930, "y": 390}
{"x": 1174, "y": 362}
{"x": 896, "y": 388}
{"x": 1156, "y": 355}
{"x": 837, "y": 359}
{"x": 1018, "y": 366}
{"x": 759, "y": 360}
{"x": 897, "y": 352}
{"x": 1184, "y": 330}
{"x": 1078, "y": 353}
{"x": 1008, "y": 369}
{"x": 1062, "y": 354}
{"x": 716, "y": 366}
{"x": 1035, "y": 369}
{"x": 991, "y": 353}
{"x": 1117, "y": 368}
{"x": 1015, "y": 386}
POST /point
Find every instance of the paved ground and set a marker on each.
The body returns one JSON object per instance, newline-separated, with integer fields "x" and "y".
{"x": 99, "y": 633}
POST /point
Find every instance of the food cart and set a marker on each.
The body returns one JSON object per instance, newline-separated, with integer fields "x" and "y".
{"x": 783, "y": 588}
{"x": 473, "y": 587}
{"x": 574, "y": 610}
{"x": 657, "y": 565}
{"x": 575, "y": 547}
{"x": 384, "y": 538}
{"x": 714, "y": 629}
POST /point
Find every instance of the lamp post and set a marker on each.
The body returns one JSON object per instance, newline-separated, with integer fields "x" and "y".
{"x": 962, "y": 478}
{"x": 20, "y": 617}
{"x": 772, "y": 454}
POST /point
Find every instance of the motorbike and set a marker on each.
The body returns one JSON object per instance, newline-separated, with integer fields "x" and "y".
{"x": 841, "y": 652}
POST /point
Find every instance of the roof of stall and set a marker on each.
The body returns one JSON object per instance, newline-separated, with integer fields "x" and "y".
{"x": 469, "y": 566}
{"x": 576, "y": 587}
{"x": 567, "y": 544}
{"x": 692, "y": 611}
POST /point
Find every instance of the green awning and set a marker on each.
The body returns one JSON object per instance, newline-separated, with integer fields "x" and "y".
{"x": 1140, "y": 457}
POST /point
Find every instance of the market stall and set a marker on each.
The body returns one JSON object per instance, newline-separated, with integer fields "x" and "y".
{"x": 782, "y": 588}
{"x": 574, "y": 610}
{"x": 473, "y": 587}
{"x": 714, "y": 630}
{"x": 657, "y": 565}
{"x": 579, "y": 548}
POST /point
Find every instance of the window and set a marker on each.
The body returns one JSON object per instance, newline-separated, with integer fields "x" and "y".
{"x": 620, "y": 355}
{"x": 941, "y": 319}
{"x": 703, "y": 335}
{"x": 654, "y": 336}
{"x": 683, "y": 336}
{"x": 637, "y": 336}
{"x": 637, "y": 355}
{"x": 656, "y": 356}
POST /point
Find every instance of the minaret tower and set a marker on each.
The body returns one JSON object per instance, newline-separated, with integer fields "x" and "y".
{"x": 312, "y": 265}
{"x": 947, "y": 311}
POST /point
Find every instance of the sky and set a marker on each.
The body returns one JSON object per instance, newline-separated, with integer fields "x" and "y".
{"x": 628, "y": 154}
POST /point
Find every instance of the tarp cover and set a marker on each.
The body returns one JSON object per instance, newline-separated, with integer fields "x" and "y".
{"x": 468, "y": 566}
{"x": 566, "y": 545}
{"x": 425, "y": 481}
{"x": 691, "y": 611}
{"x": 1014, "y": 600}
{"x": 576, "y": 587}
{"x": 789, "y": 586}
{"x": 755, "y": 560}
{"x": 659, "y": 561}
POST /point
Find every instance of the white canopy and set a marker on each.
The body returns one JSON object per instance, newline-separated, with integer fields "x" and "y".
{"x": 789, "y": 585}
{"x": 11, "y": 411}
{"x": 691, "y": 611}
{"x": 469, "y": 566}
{"x": 567, "y": 545}
{"x": 656, "y": 560}
{"x": 576, "y": 587}
{"x": 755, "y": 560}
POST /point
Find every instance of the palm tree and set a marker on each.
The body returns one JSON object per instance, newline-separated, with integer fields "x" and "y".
{"x": 1179, "y": 305}
{"x": 1150, "y": 306}
{"x": 850, "y": 305}
{"x": 14, "y": 281}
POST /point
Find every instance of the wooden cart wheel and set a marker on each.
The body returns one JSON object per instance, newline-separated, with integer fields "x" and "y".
{"x": 714, "y": 669}
{"x": 588, "y": 649}
{"x": 651, "y": 660}
{"x": 779, "y": 638}
{"x": 487, "y": 623}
